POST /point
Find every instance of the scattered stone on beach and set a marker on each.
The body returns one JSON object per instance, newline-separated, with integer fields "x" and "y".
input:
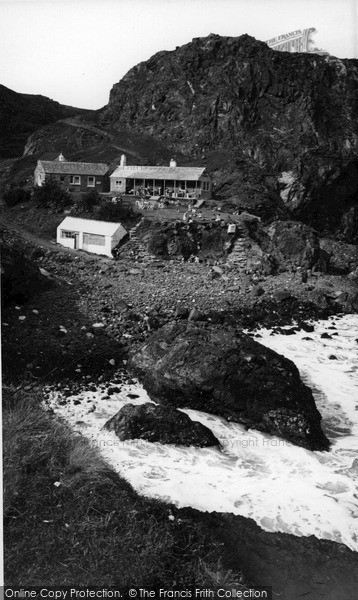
{"x": 281, "y": 295}
{"x": 97, "y": 325}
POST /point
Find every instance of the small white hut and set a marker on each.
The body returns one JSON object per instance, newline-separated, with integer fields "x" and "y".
{"x": 99, "y": 237}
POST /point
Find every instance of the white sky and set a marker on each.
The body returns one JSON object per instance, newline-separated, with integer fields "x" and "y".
{"x": 73, "y": 51}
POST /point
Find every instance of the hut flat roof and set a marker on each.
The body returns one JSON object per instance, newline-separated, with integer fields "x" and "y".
{"x": 89, "y": 226}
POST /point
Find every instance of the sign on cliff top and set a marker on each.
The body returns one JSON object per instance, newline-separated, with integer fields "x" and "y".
{"x": 295, "y": 41}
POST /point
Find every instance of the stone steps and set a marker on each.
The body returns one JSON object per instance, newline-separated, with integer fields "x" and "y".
{"x": 134, "y": 248}
{"x": 238, "y": 255}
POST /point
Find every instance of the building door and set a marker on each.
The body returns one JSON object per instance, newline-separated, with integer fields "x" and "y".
{"x": 77, "y": 237}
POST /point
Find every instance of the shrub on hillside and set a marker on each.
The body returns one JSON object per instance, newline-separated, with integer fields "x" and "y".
{"x": 16, "y": 195}
{"x": 51, "y": 194}
{"x": 88, "y": 201}
{"x": 158, "y": 245}
{"x": 115, "y": 212}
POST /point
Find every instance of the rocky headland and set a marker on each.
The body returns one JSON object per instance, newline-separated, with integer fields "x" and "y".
{"x": 278, "y": 131}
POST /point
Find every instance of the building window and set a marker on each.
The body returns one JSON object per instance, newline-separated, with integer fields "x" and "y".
{"x": 118, "y": 182}
{"x": 94, "y": 239}
{"x": 90, "y": 181}
{"x": 75, "y": 180}
{"x": 68, "y": 234}
{"x": 206, "y": 186}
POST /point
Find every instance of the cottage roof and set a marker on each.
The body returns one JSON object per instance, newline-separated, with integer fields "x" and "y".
{"x": 73, "y": 168}
{"x": 160, "y": 173}
{"x": 52, "y": 156}
{"x": 89, "y": 226}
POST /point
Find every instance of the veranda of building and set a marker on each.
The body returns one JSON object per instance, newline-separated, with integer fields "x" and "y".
{"x": 172, "y": 182}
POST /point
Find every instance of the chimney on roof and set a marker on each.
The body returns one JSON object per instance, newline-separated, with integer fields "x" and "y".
{"x": 123, "y": 160}
{"x": 61, "y": 158}
{"x": 173, "y": 163}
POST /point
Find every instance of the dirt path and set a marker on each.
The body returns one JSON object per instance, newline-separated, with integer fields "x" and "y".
{"x": 76, "y": 122}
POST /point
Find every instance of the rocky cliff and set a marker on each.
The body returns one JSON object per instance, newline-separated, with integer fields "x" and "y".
{"x": 276, "y": 130}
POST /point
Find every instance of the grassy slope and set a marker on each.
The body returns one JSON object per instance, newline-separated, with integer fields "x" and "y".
{"x": 92, "y": 528}
{"x": 22, "y": 114}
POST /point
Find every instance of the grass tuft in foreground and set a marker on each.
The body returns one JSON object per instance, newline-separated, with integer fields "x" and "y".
{"x": 71, "y": 520}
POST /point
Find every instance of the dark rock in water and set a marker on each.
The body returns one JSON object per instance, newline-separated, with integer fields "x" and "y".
{"x": 306, "y": 327}
{"x": 227, "y": 373}
{"x": 332, "y": 357}
{"x": 162, "y": 424}
{"x": 309, "y": 339}
{"x": 287, "y": 331}
{"x": 326, "y": 336}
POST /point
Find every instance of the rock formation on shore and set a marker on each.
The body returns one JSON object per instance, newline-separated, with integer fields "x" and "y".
{"x": 163, "y": 424}
{"x": 221, "y": 371}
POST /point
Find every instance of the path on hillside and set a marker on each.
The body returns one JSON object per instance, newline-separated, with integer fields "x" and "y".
{"x": 78, "y": 123}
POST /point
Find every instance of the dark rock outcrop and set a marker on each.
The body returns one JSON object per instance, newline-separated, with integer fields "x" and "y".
{"x": 288, "y": 241}
{"x": 165, "y": 425}
{"x": 227, "y": 373}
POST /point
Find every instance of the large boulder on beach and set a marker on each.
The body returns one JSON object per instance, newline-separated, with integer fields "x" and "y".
{"x": 163, "y": 424}
{"x": 225, "y": 372}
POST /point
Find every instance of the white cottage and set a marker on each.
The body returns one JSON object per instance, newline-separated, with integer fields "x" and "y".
{"x": 99, "y": 237}
{"x": 171, "y": 182}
